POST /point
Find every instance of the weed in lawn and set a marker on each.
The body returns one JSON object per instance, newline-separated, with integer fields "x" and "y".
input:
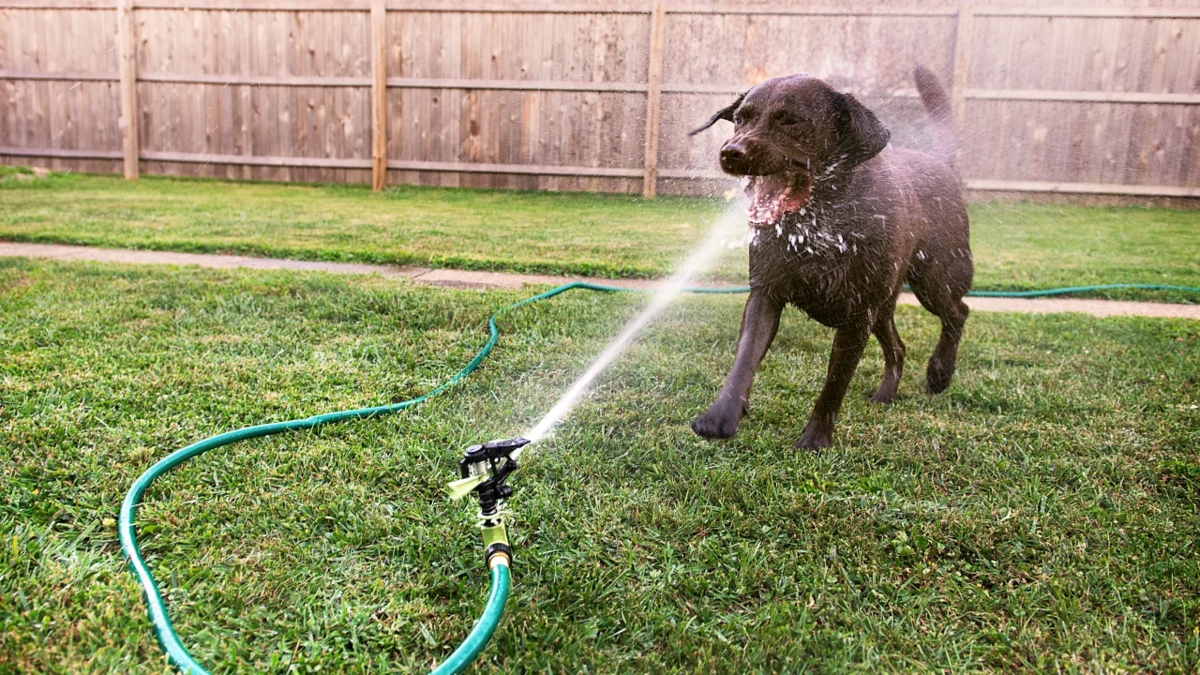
{"x": 1040, "y": 516}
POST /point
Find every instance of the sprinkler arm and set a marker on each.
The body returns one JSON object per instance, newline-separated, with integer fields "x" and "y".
{"x": 464, "y": 486}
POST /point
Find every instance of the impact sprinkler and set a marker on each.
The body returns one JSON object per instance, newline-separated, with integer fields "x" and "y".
{"x": 484, "y": 468}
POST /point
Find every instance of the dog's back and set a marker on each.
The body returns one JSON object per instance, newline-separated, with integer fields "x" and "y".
{"x": 926, "y": 191}
{"x": 940, "y": 265}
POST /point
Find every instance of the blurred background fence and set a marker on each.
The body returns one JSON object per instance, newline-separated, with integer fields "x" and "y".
{"x": 1095, "y": 97}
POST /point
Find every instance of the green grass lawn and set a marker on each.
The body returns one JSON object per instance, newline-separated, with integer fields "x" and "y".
{"x": 1016, "y": 246}
{"x": 1039, "y": 516}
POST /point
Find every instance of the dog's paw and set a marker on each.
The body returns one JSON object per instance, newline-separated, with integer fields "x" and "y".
{"x": 937, "y": 382}
{"x": 938, "y": 374}
{"x": 714, "y": 424}
{"x": 814, "y": 439}
{"x": 881, "y": 397}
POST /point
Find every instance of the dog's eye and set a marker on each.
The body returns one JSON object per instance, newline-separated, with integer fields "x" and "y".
{"x": 786, "y": 118}
{"x": 744, "y": 114}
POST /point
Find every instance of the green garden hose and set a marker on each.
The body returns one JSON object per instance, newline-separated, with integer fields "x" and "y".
{"x": 478, "y": 638}
{"x": 485, "y": 627}
{"x": 177, "y": 654}
{"x": 1070, "y": 290}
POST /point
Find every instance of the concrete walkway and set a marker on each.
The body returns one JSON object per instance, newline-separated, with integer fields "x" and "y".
{"x": 467, "y": 279}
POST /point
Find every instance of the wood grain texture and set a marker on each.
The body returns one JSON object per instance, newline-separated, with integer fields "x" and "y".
{"x": 653, "y": 102}
{"x": 964, "y": 35}
{"x": 127, "y": 49}
{"x": 532, "y": 95}
{"x": 379, "y": 95}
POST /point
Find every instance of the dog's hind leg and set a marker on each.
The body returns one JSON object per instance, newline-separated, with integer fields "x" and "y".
{"x": 940, "y": 273}
{"x": 848, "y": 344}
{"x": 944, "y": 301}
{"x": 945, "y": 355}
{"x": 893, "y": 353}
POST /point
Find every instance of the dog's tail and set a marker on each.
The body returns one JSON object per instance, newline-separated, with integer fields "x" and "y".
{"x": 937, "y": 104}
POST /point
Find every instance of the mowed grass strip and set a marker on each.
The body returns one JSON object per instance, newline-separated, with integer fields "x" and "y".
{"x": 1016, "y": 246}
{"x": 567, "y": 233}
{"x": 1040, "y": 516}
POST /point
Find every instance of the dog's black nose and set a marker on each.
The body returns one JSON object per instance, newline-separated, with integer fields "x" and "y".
{"x": 733, "y": 152}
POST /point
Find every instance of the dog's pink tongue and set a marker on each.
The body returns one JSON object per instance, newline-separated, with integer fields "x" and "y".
{"x": 774, "y": 195}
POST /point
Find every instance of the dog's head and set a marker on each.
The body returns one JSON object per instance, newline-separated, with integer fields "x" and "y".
{"x": 789, "y": 132}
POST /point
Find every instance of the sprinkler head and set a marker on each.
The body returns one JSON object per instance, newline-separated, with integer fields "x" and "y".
{"x": 484, "y": 468}
{"x": 490, "y": 463}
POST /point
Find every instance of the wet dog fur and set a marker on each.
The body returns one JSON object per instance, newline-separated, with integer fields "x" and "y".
{"x": 841, "y": 222}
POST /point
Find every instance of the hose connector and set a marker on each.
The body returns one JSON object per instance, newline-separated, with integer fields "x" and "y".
{"x": 496, "y": 550}
{"x": 484, "y": 468}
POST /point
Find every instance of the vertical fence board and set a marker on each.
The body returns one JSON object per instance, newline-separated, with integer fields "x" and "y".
{"x": 127, "y": 44}
{"x": 653, "y": 102}
{"x": 964, "y": 35}
{"x": 379, "y": 94}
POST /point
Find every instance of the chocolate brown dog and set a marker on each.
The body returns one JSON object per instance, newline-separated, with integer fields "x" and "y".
{"x": 841, "y": 221}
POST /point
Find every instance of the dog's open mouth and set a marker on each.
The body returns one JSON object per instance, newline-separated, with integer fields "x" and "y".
{"x": 776, "y": 194}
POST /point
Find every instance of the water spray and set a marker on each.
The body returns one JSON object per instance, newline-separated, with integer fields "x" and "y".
{"x": 484, "y": 468}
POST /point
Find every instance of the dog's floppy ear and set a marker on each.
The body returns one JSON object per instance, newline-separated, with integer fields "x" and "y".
{"x": 862, "y": 134}
{"x": 725, "y": 113}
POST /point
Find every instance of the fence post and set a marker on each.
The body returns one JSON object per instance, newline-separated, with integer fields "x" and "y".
{"x": 127, "y": 54}
{"x": 963, "y": 37}
{"x": 653, "y": 100}
{"x": 379, "y": 95}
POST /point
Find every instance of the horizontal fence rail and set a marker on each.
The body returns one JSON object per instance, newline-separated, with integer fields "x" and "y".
{"x": 379, "y": 97}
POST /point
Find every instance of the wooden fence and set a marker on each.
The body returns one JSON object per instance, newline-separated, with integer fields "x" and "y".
{"x": 1092, "y": 98}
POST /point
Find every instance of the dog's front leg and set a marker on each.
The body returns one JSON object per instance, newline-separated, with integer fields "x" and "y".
{"x": 760, "y": 321}
{"x": 848, "y": 344}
